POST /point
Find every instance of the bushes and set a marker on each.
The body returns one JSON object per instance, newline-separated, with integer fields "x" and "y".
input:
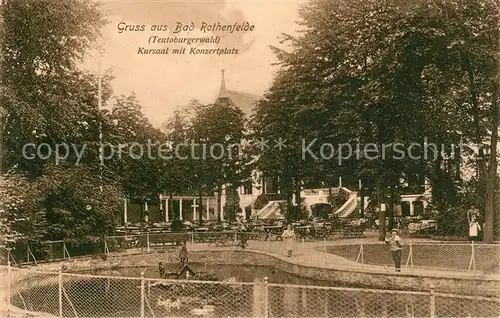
{"x": 64, "y": 204}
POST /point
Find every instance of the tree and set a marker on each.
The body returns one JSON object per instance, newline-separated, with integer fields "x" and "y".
{"x": 176, "y": 175}
{"x": 275, "y": 121}
{"x": 134, "y": 150}
{"x": 219, "y": 130}
{"x": 47, "y": 98}
{"x": 379, "y": 73}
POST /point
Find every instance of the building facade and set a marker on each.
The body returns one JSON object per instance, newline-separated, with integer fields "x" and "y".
{"x": 411, "y": 204}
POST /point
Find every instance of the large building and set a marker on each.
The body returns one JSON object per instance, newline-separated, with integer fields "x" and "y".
{"x": 411, "y": 204}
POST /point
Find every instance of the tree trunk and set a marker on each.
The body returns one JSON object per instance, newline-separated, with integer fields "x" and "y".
{"x": 489, "y": 211}
{"x": 298, "y": 199}
{"x": 391, "y": 208}
{"x": 219, "y": 203}
{"x": 141, "y": 212}
{"x": 362, "y": 199}
{"x": 477, "y": 119}
{"x": 491, "y": 175}
{"x": 289, "y": 205}
{"x": 232, "y": 217}
{"x": 381, "y": 215}
{"x": 171, "y": 206}
{"x": 200, "y": 211}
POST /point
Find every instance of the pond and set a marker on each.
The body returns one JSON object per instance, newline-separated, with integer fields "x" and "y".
{"x": 117, "y": 293}
{"x": 247, "y": 273}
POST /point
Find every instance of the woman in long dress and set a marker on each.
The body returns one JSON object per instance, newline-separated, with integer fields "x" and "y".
{"x": 288, "y": 237}
{"x": 474, "y": 226}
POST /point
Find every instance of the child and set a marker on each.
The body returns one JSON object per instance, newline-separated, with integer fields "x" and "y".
{"x": 161, "y": 270}
{"x": 288, "y": 236}
{"x": 396, "y": 246}
{"x": 242, "y": 228}
{"x": 183, "y": 254}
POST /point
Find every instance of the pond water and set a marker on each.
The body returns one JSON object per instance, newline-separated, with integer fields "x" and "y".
{"x": 103, "y": 295}
{"x": 247, "y": 273}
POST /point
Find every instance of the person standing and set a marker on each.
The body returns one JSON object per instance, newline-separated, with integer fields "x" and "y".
{"x": 474, "y": 226}
{"x": 242, "y": 228}
{"x": 396, "y": 247}
{"x": 161, "y": 270}
{"x": 183, "y": 254}
{"x": 288, "y": 237}
{"x": 176, "y": 225}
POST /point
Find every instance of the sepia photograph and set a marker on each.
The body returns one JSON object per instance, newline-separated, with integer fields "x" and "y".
{"x": 249, "y": 158}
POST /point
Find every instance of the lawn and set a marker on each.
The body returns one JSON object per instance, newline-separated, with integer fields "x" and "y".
{"x": 435, "y": 256}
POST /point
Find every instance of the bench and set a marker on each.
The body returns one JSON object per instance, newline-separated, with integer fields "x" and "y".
{"x": 164, "y": 239}
{"x": 353, "y": 232}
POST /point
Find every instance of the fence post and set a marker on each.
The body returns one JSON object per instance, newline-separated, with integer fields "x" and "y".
{"x": 142, "y": 294}
{"x": 266, "y": 297}
{"x": 360, "y": 254}
{"x": 60, "y": 293}
{"x": 28, "y": 252}
{"x": 472, "y": 263}
{"x": 9, "y": 278}
{"x": 66, "y": 251}
{"x": 303, "y": 250}
{"x": 410, "y": 256}
{"x": 147, "y": 241}
{"x": 106, "y": 248}
{"x": 324, "y": 251}
{"x": 433, "y": 302}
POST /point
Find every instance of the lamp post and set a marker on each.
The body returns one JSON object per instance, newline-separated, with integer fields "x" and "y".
{"x": 392, "y": 195}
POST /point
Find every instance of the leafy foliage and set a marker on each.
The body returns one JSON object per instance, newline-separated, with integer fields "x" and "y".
{"x": 135, "y": 159}
{"x": 209, "y": 152}
{"x": 65, "y": 204}
{"x": 47, "y": 98}
{"x": 385, "y": 72}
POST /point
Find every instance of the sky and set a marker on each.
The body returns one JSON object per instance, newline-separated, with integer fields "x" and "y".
{"x": 164, "y": 82}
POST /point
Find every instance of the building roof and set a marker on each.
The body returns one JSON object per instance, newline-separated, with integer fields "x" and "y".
{"x": 244, "y": 101}
{"x": 223, "y": 93}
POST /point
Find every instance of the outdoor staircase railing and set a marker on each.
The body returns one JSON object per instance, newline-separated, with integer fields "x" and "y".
{"x": 263, "y": 210}
{"x": 349, "y": 207}
{"x": 269, "y": 209}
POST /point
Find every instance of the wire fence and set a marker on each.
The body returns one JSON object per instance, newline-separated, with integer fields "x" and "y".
{"x": 472, "y": 257}
{"x": 483, "y": 258}
{"x": 80, "y": 295}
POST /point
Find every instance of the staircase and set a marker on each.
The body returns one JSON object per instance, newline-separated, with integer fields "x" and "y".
{"x": 350, "y": 206}
{"x": 270, "y": 210}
